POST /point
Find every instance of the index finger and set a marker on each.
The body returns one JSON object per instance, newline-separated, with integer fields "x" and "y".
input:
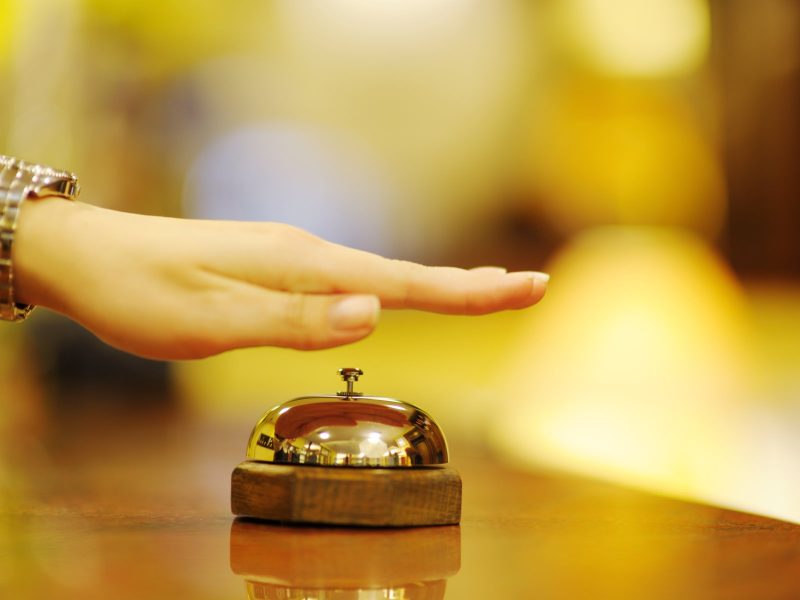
{"x": 403, "y": 284}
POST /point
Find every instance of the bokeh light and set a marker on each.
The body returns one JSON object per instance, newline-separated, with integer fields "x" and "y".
{"x": 638, "y": 365}
{"x": 292, "y": 174}
{"x": 638, "y": 37}
{"x": 604, "y": 155}
{"x": 643, "y": 150}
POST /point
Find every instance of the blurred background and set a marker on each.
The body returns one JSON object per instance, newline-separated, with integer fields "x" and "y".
{"x": 644, "y": 152}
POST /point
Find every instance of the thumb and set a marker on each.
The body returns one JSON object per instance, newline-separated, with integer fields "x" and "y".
{"x": 304, "y": 321}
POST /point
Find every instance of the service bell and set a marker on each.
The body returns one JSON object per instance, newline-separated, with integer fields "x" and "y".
{"x": 347, "y": 459}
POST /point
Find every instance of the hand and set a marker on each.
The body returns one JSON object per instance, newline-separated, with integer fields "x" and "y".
{"x": 177, "y": 288}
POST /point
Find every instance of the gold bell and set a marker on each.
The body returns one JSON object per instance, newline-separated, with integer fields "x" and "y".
{"x": 347, "y": 459}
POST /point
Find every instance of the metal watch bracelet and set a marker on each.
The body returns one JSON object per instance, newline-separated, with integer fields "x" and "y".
{"x": 20, "y": 181}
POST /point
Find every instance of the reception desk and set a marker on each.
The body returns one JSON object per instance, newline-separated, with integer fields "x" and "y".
{"x": 123, "y": 509}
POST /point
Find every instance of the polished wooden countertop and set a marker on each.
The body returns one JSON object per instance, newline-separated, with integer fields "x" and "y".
{"x": 121, "y": 509}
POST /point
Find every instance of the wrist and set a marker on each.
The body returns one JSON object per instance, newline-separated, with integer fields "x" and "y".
{"x": 43, "y": 259}
{"x": 20, "y": 182}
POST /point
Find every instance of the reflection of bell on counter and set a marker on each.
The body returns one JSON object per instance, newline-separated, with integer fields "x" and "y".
{"x": 347, "y": 459}
{"x": 279, "y": 562}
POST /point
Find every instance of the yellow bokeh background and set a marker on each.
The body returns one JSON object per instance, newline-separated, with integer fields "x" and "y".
{"x": 596, "y": 126}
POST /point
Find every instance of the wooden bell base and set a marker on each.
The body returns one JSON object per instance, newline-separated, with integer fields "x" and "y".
{"x": 360, "y": 496}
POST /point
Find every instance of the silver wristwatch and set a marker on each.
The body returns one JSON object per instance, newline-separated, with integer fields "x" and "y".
{"x": 19, "y": 181}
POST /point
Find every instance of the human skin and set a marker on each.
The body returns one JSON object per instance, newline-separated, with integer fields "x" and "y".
{"x": 178, "y": 288}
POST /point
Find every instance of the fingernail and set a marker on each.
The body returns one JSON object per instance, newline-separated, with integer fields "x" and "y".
{"x": 537, "y": 279}
{"x": 535, "y": 276}
{"x": 355, "y": 312}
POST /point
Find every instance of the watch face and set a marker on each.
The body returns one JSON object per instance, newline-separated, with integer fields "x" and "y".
{"x": 66, "y": 187}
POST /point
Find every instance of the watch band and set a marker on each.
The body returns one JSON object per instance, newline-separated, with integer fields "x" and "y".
{"x": 19, "y": 181}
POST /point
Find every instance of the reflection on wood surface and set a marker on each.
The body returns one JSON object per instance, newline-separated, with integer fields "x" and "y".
{"x": 307, "y": 562}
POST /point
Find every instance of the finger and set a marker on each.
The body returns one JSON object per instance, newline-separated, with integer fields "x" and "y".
{"x": 401, "y": 284}
{"x": 455, "y": 291}
{"x": 287, "y": 259}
